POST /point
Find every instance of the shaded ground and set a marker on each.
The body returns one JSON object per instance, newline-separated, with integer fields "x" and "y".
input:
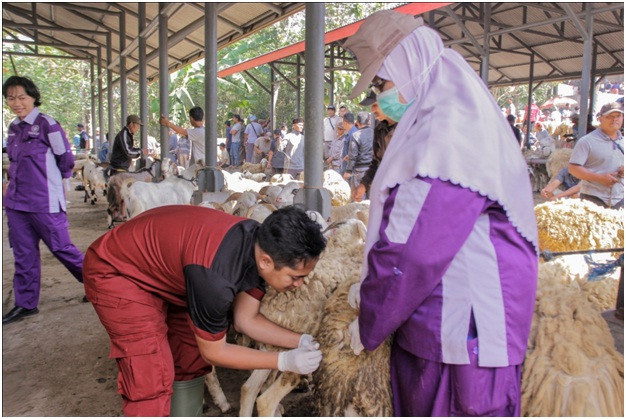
{"x": 56, "y": 362}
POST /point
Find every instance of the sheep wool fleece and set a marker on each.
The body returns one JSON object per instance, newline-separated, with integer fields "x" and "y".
{"x": 40, "y": 157}
{"x": 456, "y": 282}
{"x": 158, "y": 281}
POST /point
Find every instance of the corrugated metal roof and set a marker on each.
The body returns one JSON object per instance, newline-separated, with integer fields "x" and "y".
{"x": 545, "y": 29}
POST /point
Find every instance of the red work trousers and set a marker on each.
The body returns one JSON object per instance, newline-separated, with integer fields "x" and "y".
{"x": 153, "y": 345}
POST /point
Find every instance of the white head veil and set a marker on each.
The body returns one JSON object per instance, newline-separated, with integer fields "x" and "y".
{"x": 453, "y": 131}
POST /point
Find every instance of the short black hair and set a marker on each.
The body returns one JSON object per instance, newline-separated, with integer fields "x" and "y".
{"x": 289, "y": 237}
{"x": 196, "y": 113}
{"x": 510, "y": 118}
{"x": 297, "y": 120}
{"x": 227, "y": 123}
{"x": 343, "y": 107}
{"x": 237, "y": 116}
{"x": 29, "y": 86}
{"x": 349, "y": 118}
{"x": 277, "y": 132}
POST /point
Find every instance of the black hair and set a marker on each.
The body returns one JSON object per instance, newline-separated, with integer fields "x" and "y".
{"x": 343, "y": 106}
{"x": 297, "y": 120}
{"x": 29, "y": 86}
{"x": 228, "y": 123}
{"x": 277, "y": 132}
{"x": 510, "y": 118}
{"x": 349, "y": 118}
{"x": 289, "y": 237}
{"x": 237, "y": 116}
{"x": 196, "y": 113}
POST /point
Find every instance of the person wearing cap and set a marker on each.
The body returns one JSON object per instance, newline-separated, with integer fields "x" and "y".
{"x": 166, "y": 285}
{"x": 450, "y": 263}
{"x": 223, "y": 159}
{"x": 598, "y": 159}
{"x": 195, "y": 134}
{"x": 330, "y": 129}
{"x": 34, "y": 201}
{"x": 262, "y": 146}
{"x": 83, "y": 143}
{"x": 336, "y": 149}
{"x": 360, "y": 150}
{"x": 123, "y": 150}
{"x": 237, "y": 137}
{"x": 294, "y": 149}
{"x": 252, "y": 132}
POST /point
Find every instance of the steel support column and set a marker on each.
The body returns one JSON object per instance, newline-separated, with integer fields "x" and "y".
{"x": 210, "y": 179}
{"x": 163, "y": 80}
{"x": 585, "y": 77}
{"x": 313, "y": 196}
{"x": 331, "y": 90}
{"x": 110, "y": 92}
{"x": 123, "y": 90}
{"x": 592, "y": 87}
{"x": 143, "y": 85}
{"x": 299, "y": 89}
{"x": 484, "y": 69}
{"x": 272, "y": 98}
{"x": 530, "y": 98}
{"x": 103, "y": 129}
{"x": 92, "y": 90}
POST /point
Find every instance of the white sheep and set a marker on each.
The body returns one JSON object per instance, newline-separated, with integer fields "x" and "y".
{"x": 281, "y": 178}
{"x": 93, "y": 178}
{"x": 257, "y": 177}
{"x": 558, "y": 160}
{"x": 339, "y": 189}
{"x": 142, "y": 196}
{"x": 245, "y": 201}
{"x": 254, "y": 167}
{"x": 285, "y": 197}
{"x": 301, "y": 310}
{"x": 352, "y": 210}
{"x": 116, "y": 210}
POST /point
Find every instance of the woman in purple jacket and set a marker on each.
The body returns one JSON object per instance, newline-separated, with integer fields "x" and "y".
{"x": 450, "y": 265}
{"x": 40, "y": 158}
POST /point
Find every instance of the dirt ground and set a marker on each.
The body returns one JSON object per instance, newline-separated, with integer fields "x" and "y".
{"x": 56, "y": 363}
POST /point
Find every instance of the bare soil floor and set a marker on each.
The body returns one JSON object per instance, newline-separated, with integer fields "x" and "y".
{"x": 56, "y": 363}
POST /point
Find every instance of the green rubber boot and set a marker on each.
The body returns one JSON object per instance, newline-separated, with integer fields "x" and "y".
{"x": 187, "y": 399}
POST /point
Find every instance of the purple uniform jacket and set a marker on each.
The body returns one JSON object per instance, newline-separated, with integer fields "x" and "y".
{"x": 40, "y": 157}
{"x": 444, "y": 254}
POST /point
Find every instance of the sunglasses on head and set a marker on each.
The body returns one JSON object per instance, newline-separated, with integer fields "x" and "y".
{"x": 377, "y": 86}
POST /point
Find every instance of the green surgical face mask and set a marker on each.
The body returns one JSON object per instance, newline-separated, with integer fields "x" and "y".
{"x": 390, "y": 105}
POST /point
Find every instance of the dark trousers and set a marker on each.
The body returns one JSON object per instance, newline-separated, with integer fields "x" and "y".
{"x": 598, "y": 201}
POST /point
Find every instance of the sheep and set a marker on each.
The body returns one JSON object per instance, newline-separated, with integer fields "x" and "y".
{"x": 254, "y": 167}
{"x": 347, "y": 384}
{"x": 169, "y": 168}
{"x": 270, "y": 193}
{"x": 257, "y": 177}
{"x": 116, "y": 210}
{"x": 259, "y": 212}
{"x": 301, "y": 310}
{"x": 215, "y": 391}
{"x": 571, "y": 366}
{"x": 245, "y": 201}
{"x": 558, "y": 160}
{"x": 78, "y": 166}
{"x": 575, "y": 224}
{"x": 93, "y": 177}
{"x": 285, "y": 197}
{"x": 350, "y": 210}
{"x": 142, "y": 196}
{"x": 281, "y": 178}
{"x": 340, "y": 192}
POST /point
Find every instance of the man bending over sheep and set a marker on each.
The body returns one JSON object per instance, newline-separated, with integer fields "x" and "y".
{"x": 164, "y": 300}
{"x": 450, "y": 262}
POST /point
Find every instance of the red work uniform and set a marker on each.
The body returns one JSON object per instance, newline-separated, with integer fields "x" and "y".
{"x": 159, "y": 280}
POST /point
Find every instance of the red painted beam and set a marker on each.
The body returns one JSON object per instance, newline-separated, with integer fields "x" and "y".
{"x": 332, "y": 36}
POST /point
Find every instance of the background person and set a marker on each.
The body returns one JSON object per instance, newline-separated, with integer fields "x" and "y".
{"x": 252, "y": 132}
{"x": 598, "y": 159}
{"x": 237, "y": 132}
{"x": 294, "y": 149}
{"x": 223, "y": 158}
{"x": 454, "y": 351}
{"x": 276, "y": 157}
{"x": 165, "y": 300}
{"x": 360, "y": 150}
{"x": 124, "y": 151}
{"x": 83, "y": 142}
{"x": 195, "y": 134}
{"x": 40, "y": 158}
{"x": 571, "y": 186}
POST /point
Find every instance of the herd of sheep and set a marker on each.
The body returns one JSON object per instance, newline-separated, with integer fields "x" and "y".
{"x": 571, "y": 369}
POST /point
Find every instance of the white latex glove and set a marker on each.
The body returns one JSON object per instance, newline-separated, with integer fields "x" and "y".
{"x": 307, "y": 342}
{"x": 300, "y": 360}
{"x": 354, "y": 295}
{"x": 355, "y": 337}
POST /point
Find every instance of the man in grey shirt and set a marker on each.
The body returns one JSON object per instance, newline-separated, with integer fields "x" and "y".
{"x": 294, "y": 149}
{"x": 598, "y": 159}
{"x": 360, "y": 150}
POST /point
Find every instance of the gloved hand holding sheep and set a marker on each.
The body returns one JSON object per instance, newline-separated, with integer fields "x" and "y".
{"x": 304, "y": 359}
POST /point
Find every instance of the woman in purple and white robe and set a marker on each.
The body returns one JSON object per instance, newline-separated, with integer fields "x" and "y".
{"x": 450, "y": 266}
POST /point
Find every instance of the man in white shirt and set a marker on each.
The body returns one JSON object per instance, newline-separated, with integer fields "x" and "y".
{"x": 330, "y": 129}
{"x": 294, "y": 149}
{"x": 195, "y": 134}
{"x": 222, "y": 156}
{"x": 252, "y": 132}
{"x": 237, "y": 134}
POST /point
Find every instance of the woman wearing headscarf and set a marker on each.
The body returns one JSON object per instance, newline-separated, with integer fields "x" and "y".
{"x": 450, "y": 264}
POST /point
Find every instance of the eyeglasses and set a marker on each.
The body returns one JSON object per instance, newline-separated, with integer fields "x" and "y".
{"x": 377, "y": 87}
